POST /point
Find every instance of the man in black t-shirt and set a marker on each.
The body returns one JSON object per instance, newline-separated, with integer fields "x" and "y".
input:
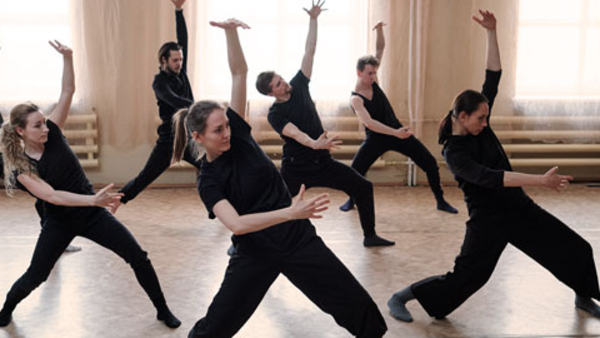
{"x": 173, "y": 92}
{"x": 306, "y": 152}
{"x": 384, "y": 131}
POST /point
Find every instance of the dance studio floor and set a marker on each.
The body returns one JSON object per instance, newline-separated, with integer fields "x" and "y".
{"x": 93, "y": 293}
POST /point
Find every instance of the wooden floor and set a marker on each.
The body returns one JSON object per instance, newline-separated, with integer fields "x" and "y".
{"x": 94, "y": 294}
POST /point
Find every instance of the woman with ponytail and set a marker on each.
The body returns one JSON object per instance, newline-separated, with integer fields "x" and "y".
{"x": 500, "y": 212}
{"x": 38, "y": 159}
{"x": 272, "y": 233}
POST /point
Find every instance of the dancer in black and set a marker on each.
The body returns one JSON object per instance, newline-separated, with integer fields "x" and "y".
{"x": 499, "y": 210}
{"x": 383, "y": 130}
{"x": 271, "y": 232}
{"x": 49, "y": 170}
{"x": 306, "y": 152}
{"x": 39, "y": 207}
{"x": 173, "y": 92}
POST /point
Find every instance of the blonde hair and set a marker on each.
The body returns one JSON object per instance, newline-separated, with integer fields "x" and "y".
{"x": 12, "y": 146}
{"x": 191, "y": 119}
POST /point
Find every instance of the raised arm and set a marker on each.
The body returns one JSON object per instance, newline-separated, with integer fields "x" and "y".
{"x": 42, "y": 190}
{"x": 380, "y": 41}
{"x": 488, "y": 21}
{"x": 365, "y": 118}
{"x": 492, "y": 64}
{"x": 311, "y": 39}
{"x": 237, "y": 63}
{"x": 181, "y": 30}
{"x": 300, "y": 209}
{"x": 61, "y": 111}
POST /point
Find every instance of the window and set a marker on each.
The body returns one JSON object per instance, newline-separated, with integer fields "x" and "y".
{"x": 276, "y": 42}
{"x": 30, "y": 69}
{"x": 559, "y": 49}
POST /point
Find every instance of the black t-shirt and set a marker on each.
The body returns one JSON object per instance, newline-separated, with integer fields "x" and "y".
{"x": 246, "y": 177}
{"x": 479, "y": 162}
{"x": 60, "y": 168}
{"x": 173, "y": 91}
{"x": 300, "y": 110}
{"x": 380, "y": 110}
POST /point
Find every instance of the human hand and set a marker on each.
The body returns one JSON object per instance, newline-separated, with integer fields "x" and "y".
{"x": 323, "y": 142}
{"x": 379, "y": 25}
{"x": 303, "y": 209}
{"x": 106, "y": 199}
{"x": 316, "y": 9}
{"x": 178, "y": 3}
{"x": 553, "y": 180}
{"x": 487, "y": 21}
{"x": 64, "y": 50}
{"x": 230, "y": 23}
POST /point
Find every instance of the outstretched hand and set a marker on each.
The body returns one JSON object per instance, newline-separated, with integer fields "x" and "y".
{"x": 64, "y": 50}
{"x": 230, "y": 23}
{"x": 316, "y": 9}
{"x": 331, "y": 143}
{"x": 178, "y": 3}
{"x": 379, "y": 25}
{"x": 106, "y": 199}
{"x": 303, "y": 209}
{"x": 553, "y": 180}
{"x": 487, "y": 21}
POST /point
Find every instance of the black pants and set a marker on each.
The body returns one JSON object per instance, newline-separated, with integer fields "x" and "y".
{"x": 100, "y": 227}
{"x": 532, "y": 230}
{"x": 375, "y": 146}
{"x": 313, "y": 269}
{"x": 158, "y": 162}
{"x": 327, "y": 172}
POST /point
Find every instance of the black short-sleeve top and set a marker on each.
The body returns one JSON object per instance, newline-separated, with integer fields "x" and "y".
{"x": 300, "y": 110}
{"x": 248, "y": 179}
{"x": 478, "y": 163}
{"x": 60, "y": 168}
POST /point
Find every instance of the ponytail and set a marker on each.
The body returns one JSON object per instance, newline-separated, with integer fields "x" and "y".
{"x": 445, "y": 130}
{"x": 15, "y": 161}
{"x": 189, "y": 120}
{"x": 181, "y": 134}
{"x": 468, "y": 102}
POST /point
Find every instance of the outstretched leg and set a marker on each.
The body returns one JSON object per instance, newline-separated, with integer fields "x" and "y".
{"x": 485, "y": 239}
{"x": 246, "y": 282}
{"x": 158, "y": 162}
{"x": 324, "y": 279}
{"x": 50, "y": 245}
{"x": 562, "y": 251}
{"x": 108, "y": 232}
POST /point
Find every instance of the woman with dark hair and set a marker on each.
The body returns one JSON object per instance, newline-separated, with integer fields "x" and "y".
{"x": 272, "y": 235}
{"x": 49, "y": 170}
{"x": 499, "y": 210}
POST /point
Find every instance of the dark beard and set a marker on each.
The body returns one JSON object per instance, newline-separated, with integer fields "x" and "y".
{"x": 171, "y": 71}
